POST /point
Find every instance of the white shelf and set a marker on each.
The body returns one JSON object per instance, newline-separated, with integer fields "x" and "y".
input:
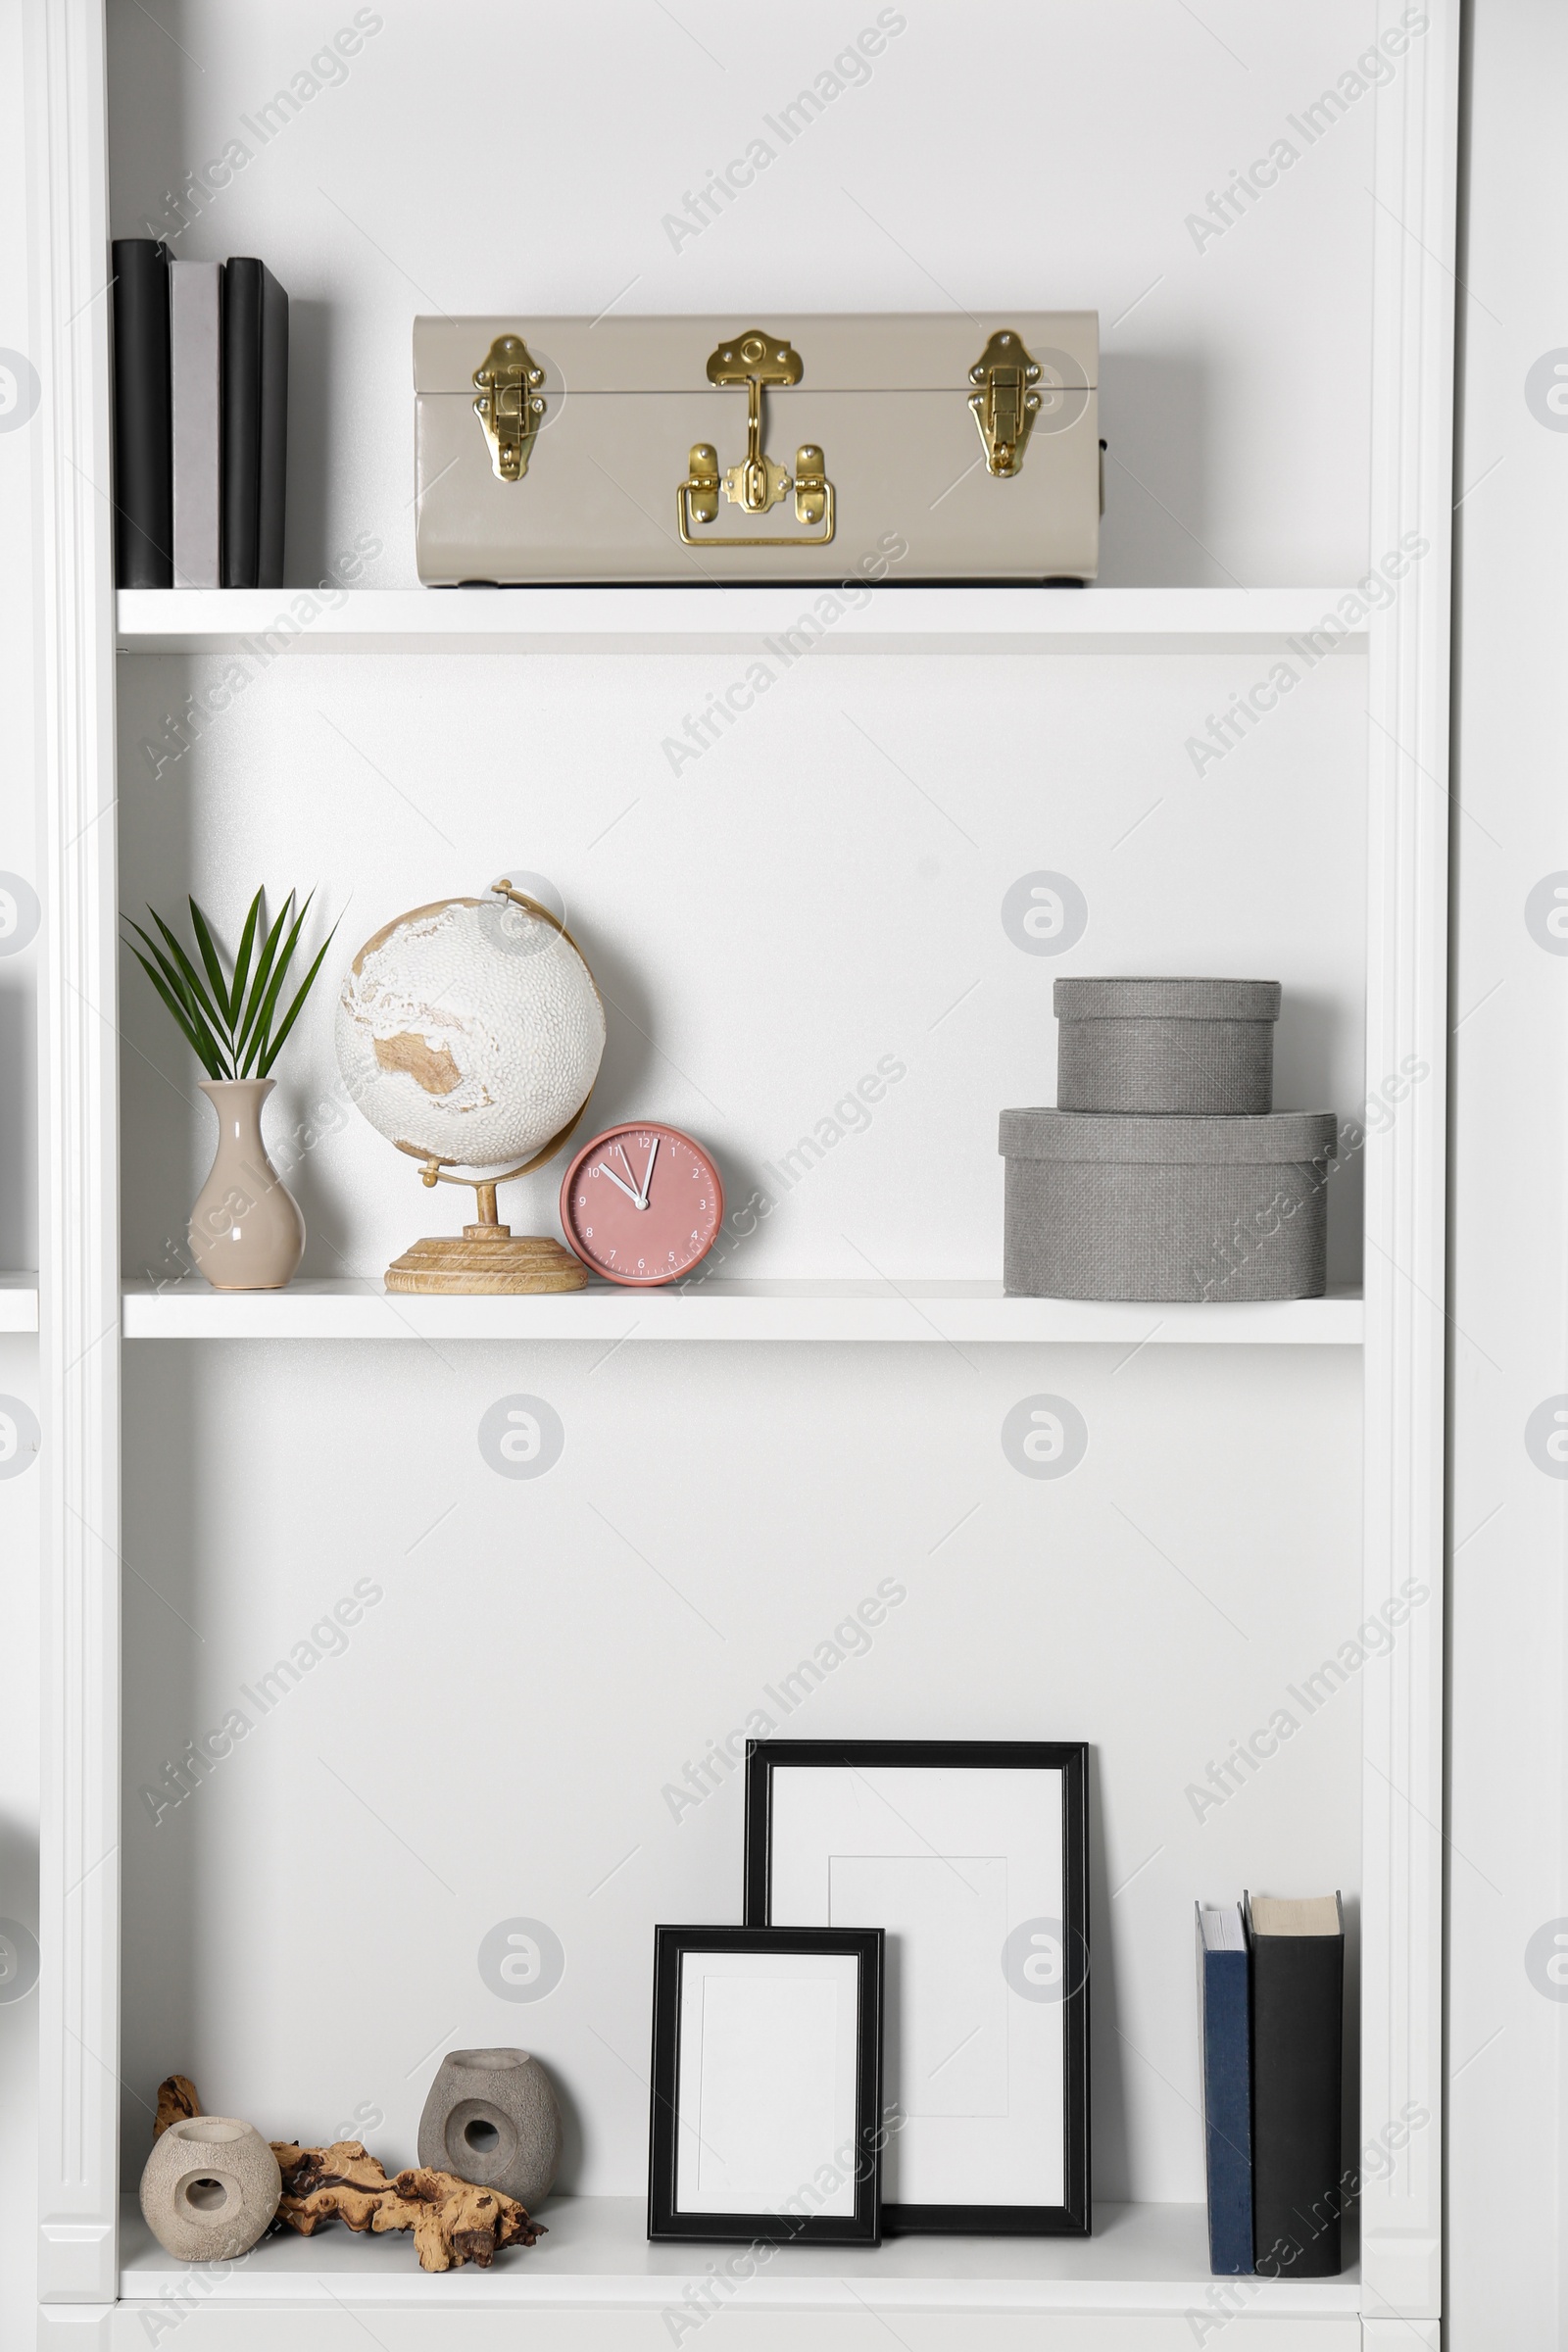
{"x": 958, "y": 1314}
{"x": 662, "y": 620}
{"x": 596, "y": 2256}
{"x": 19, "y": 1302}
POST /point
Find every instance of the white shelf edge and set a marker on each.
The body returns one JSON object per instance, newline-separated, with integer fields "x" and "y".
{"x": 952, "y": 1314}
{"x": 19, "y": 1302}
{"x": 264, "y": 624}
{"x": 1149, "y": 2259}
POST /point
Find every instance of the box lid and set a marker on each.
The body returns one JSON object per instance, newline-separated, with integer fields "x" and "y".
{"x": 1270, "y": 1138}
{"x": 1090, "y": 1000}
{"x": 901, "y": 351}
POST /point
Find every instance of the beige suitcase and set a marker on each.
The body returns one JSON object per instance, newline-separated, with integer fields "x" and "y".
{"x": 907, "y": 447}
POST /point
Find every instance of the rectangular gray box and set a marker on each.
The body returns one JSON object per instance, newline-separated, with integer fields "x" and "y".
{"x": 1102, "y": 1206}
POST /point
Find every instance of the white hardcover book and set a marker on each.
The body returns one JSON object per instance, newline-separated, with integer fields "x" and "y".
{"x": 195, "y": 336}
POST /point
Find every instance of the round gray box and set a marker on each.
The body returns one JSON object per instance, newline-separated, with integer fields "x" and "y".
{"x": 1181, "y": 1047}
{"x": 1100, "y": 1206}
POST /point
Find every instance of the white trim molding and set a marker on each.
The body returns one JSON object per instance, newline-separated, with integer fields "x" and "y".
{"x": 1407, "y": 769}
{"x": 78, "y": 2105}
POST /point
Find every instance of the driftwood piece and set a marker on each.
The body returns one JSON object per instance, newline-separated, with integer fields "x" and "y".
{"x": 452, "y": 2221}
{"x": 176, "y": 2101}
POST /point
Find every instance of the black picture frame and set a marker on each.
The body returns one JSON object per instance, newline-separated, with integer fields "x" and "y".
{"x": 1073, "y": 2216}
{"x": 668, "y": 2217}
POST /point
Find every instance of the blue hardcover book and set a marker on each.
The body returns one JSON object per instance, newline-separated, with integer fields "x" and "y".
{"x": 1225, "y": 2034}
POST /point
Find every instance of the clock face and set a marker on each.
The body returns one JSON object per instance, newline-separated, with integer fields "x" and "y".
{"x": 642, "y": 1204}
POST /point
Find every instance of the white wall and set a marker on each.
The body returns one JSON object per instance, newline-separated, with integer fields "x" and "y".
{"x": 1508, "y": 1892}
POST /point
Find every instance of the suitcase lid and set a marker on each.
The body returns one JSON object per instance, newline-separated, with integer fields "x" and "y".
{"x": 909, "y": 351}
{"x": 1086, "y": 1000}
{"x": 1269, "y": 1138}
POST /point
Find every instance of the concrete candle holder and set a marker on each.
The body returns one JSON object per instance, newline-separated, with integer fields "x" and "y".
{"x": 492, "y": 2118}
{"x": 210, "y": 2188}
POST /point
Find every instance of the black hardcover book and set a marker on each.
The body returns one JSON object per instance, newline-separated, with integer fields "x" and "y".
{"x": 255, "y": 423}
{"x": 1299, "y": 2193}
{"x": 144, "y": 475}
{"x": 274, "y": 432}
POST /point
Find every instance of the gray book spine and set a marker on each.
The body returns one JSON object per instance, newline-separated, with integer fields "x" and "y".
{"x": 195, "y": 335}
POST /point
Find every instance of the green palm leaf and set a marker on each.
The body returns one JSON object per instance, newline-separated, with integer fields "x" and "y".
{"x": 228, "y": 1020}
{"x": 258, "y": 987}
{"x": 304, "y": 990}
{"x": 242, "y": 959}
{"x": 263, "y": 1030}
{"x": 188, "y": 974}
{"x": 196, "y": 1038}
{"x": 174, "y": 982}
{"x": 214, "y": 964}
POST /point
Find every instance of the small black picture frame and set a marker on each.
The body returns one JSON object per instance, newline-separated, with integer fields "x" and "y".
{"x": 966, "y": 1873}
{"x": 758, "y": 2068}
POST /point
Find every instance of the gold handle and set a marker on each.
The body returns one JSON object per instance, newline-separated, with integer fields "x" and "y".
{"x": 700, "y": 490}
{"x": 756, "y": 484}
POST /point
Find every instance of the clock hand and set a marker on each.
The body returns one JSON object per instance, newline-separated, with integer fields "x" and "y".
{"x": 641, "y": 1196}
{"x": 647, "y": 1172}
{"x": 605, "y": 1169}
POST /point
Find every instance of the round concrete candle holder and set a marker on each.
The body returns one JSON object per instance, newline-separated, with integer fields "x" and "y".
{"x": 492, "y": 2118}
{"x": 210, "y": 2188}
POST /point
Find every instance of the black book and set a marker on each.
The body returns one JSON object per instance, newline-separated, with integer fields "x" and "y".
{"x": 144, "y": 479}
{"x": 1298, "y": 2192}
{"x": 255, "y": 425}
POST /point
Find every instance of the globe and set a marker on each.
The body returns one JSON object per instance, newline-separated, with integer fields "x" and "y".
{"x": 470, "y": 1031}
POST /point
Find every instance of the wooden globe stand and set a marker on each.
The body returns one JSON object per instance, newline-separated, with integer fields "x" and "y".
{"x": 487, "y": 1257}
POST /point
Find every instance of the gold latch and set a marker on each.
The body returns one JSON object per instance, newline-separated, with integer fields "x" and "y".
{"x": 756, "y": 484}
{"x": 510, "y": 405}
{"x": 1005, "y": 407}
{"x": 814, "y": 492}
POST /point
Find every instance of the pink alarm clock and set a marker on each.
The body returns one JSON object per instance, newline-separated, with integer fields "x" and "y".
{"x": 641, "y": 1204}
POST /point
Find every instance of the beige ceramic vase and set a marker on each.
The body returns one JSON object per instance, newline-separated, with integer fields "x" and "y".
{"x": 246, "y": 1231}
{"x": 209, "y": 2190}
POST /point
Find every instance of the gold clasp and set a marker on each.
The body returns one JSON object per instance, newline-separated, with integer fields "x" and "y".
{"x": 814, "y": 492}
{"x": 701, "y": 487}
{"x": 510, "y": 405}
{"x": 756, "y": 484}
{"x": 1005, "y": 407}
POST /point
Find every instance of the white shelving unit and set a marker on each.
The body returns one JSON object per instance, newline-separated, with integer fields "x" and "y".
{"x": 1148, "y": 2261}
{"x": 662, "y": 620}
{"x": 951, "y": 1313}
{"x": 196, "y": 1504}
{"x": 19, "y": 1302}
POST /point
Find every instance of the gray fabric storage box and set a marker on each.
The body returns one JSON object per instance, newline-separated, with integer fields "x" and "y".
{"x": 1102, "y": 1206}
{"x": 1183, "y": 1045}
